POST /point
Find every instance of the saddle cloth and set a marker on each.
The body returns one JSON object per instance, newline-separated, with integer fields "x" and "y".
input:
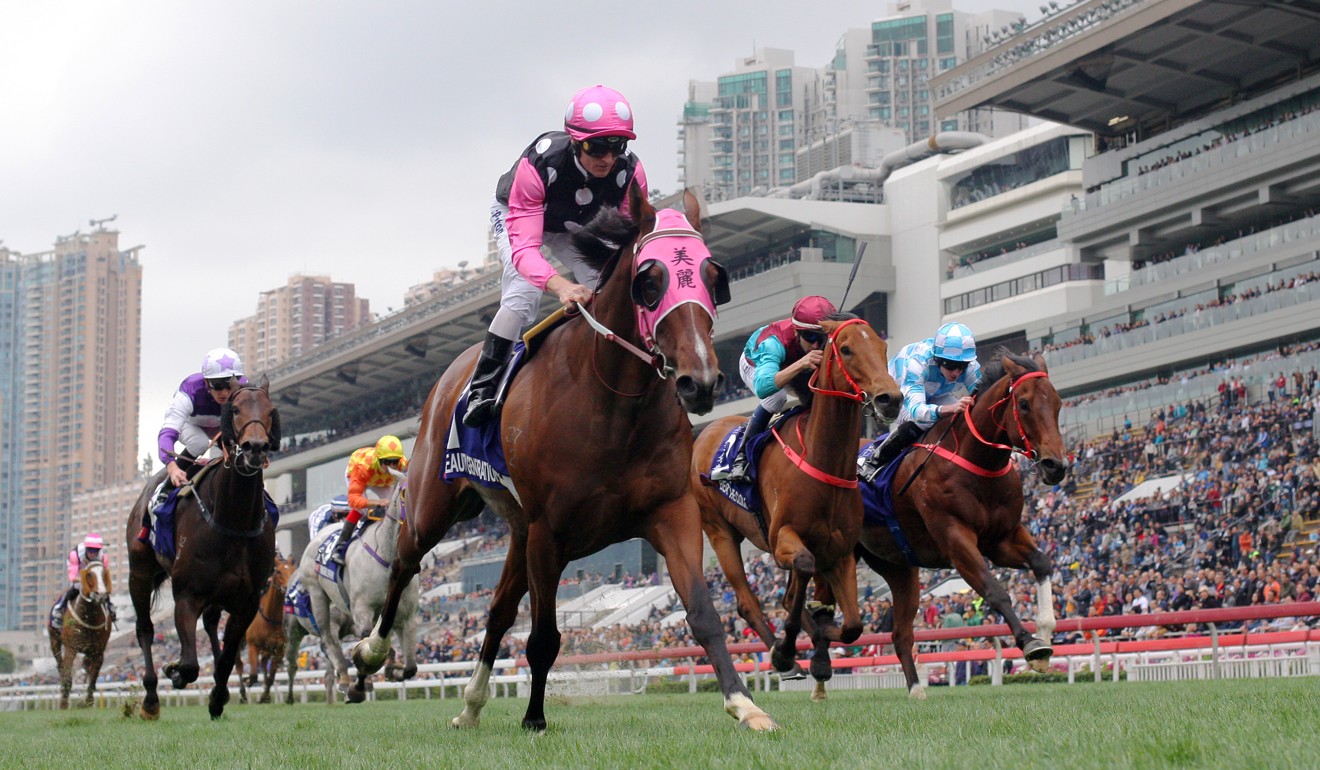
{"x": 743, "y": 495}
{"x": 878, "y": 499}
{"x": 299, "y": 604}
{"x": 478, "y": 453}
{"x": 162, "y": 518}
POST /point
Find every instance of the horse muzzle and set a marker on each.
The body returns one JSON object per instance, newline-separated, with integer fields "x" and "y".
{"x": 886, "y": 406}
{"x": 1052, "y": 471}
{"x": 698, "y": 395}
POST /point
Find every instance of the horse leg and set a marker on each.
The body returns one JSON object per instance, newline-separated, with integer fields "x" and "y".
{"x": 140, "y": 590}
{"x": 92, "y": 666}
{"x": 331, "y": 632}
{"x": 509, "y": 591}
{"x": 273, "y": 656}
{"x": 675, "y": 532}
{"x": 361, "y": 622}
{"x": 905, "y": 589}
{"x": 726, "y": 546}
{"x": 66, "y": 662}
{"x": 836, "y": 587}
{"x": 544, "y": 568}
{"x": 235, "y": 638}
{"x": 293, "y": 636}
{"x": 961, "y": 546}
{"x": 184, "y": 671}
{"x": 1019, "y": 551}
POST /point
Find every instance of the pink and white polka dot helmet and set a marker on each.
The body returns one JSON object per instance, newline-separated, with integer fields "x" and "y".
{"x": 598, "y": 111}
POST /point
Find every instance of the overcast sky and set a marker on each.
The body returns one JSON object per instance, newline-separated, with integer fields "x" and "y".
{"x": 243, "y": 142}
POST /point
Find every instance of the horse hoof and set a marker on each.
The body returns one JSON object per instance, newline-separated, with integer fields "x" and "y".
{"x": 463, "y": 721}
{"x": 534, "y": 725}
{"x": 821, "y": 671}
{"x": 356, "y": 694}
{"x": 818, "y": 693}
{"x": 149, "y": 715}
{"x": 264, "y": 698}
{"x": 216, "y": 704}
{"x": 917, "y": 693}
{"x": 759, "y": 722}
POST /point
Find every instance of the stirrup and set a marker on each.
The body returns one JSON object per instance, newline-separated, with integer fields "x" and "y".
{"x": 868, "y": 469}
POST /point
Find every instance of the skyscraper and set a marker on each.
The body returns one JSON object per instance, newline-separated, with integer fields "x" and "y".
{"x": 294, "y": 318}
{"x": 740, "y": 135}
{"x": 70, "y": 349}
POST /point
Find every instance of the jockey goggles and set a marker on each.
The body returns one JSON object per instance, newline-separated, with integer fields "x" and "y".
{"x": 222, "y": 383}
{"x": 812, "y": 338}
{"x": 601, "y": 146}
{"x": 953, "y": 366}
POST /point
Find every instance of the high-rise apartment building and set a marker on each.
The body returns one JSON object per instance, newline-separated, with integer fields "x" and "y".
{"x": 740, "y": 135}
{"x": 294, "y": 318}
{"x": 70, "y": 348}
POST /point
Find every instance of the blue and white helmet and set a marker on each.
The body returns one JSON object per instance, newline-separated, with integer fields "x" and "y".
{"x": 339, "y": 504}
{"x": 220, "y": 363}
{"x": 954, "y": 342}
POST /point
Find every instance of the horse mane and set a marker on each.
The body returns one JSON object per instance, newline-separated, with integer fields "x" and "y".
{"x": 799, "y": 384}
{"x": 992, "y": 371}
{"x": 601, "y": 240}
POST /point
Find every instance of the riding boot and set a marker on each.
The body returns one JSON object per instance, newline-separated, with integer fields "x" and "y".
{"x": 899, "y": 439}
{"x": 341, "y": 546}
{"x": 57, "y": 616}
{"x": 757, "y": 424}
{"x": 486, "y": 380}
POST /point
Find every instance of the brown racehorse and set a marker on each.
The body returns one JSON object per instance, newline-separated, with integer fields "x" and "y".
{"x": 807, "y": 480}
{"x": 959, "y": 512}
{"x": 598, "y": 445}
{"x": 265, "y": 637}
{"x": 85, "y": 631}
{"x": 225, "y": 551}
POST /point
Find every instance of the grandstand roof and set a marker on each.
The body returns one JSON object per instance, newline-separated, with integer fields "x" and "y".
{"x": 1118, "y": 66}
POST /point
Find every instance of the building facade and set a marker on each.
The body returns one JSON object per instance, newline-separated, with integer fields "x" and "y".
{"x": 70, "y": 321}
{"x": 295, "y": 318}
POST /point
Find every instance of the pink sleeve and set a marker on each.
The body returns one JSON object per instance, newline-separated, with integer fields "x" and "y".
{"x": 74, "y": 567}
{"x": 639, "y": 179}
{"x": 525, "y": 222}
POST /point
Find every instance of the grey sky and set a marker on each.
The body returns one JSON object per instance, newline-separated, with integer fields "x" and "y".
{"x": 243, "y": 142}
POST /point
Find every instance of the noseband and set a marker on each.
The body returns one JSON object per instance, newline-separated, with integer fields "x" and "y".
{"x": 238, "y": 451}
{"x": 1027, "y": 450}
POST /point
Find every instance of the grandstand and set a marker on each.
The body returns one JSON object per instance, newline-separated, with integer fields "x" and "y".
{"x": 1155, "y": 239}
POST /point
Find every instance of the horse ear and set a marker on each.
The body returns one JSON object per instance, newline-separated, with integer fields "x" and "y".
{"x": 1012, "y": 367}
{"x": 1040, "y": 362}
{"x": 227, "y": 423}
{"x": 265, "y": 383}
{"x": 693, "y": 208}
{"x": 642, "y": 211}
{"x": 273, "y": 435}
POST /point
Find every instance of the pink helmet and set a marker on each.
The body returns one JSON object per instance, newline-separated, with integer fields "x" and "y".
{"x": 93, "y": 541}
{"x": 810, "y": 311}
{"x": 598, "y": 111}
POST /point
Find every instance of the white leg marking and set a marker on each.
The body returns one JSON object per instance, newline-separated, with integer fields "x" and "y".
{"x": 474, "y": 696}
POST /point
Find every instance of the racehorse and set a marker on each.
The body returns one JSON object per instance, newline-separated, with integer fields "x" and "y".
{"x": 225, "y": 550}
{"x": 965, "y": 504}
{"x": 807, "y": 480}
{"x": 598, "y": 442}
{"x": 265, "y": 637}
{"x": 85, "y": 631}
{"x": 359, "y": 596}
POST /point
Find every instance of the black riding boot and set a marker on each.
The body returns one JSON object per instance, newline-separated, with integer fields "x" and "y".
{"x": 486, "y": 380}
{"x": 57, "y": 616}
{"x": 901, "y": 438}
{"x": 757, "y": 424}
{"x": 341, "y": 546}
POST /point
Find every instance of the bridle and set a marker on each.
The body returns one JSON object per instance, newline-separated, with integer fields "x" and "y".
{"x": 232, "y": 454}
{"x": 856, "y": 394}
{"x": 1026, "y": 450}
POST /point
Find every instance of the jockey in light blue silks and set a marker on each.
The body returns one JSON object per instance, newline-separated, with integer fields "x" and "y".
{"x": 937, "y": 377}
{"x": 330, "y": 513}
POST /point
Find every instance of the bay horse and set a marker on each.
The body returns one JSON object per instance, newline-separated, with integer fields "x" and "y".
{"x": 225, "y": 550}
{"x": 350, "y": 607}
{"x": 965, "y": 504}
{"x": 85, "y": 631}
{"x": 807, "y": 479}
{"x": 265, "y": 636}
{"x": 598, "y": 443}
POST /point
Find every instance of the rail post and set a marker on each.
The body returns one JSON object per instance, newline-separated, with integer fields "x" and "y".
{"x": 996, "y": 673}
{"x": 1214, "y": 652}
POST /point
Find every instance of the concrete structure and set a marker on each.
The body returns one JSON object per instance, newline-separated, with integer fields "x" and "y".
{"x": 104, "y": 510}
{"x": 71, "y": 324}
{"x": 295, "y": 318}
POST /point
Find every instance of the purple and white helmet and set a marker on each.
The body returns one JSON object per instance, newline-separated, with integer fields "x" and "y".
{"x": 220, "y": 363}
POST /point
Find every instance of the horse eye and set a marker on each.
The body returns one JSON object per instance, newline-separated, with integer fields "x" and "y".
{"x": 1024, "y": 405}
{"x": 845, "y": 350}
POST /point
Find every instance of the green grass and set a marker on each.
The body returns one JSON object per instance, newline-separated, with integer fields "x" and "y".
{"x": 1236, "y": 724}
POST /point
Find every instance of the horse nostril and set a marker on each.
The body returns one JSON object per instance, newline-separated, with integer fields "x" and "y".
{"x": 686, "y": 385}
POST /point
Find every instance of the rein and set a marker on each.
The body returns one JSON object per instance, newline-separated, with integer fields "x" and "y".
{"x": 221, "y": 528}
{"x": 73, "y": 613}
{"x": 968, "y": 465}
{"x": 857, "y": 393}
{"x": 808, "y": 468}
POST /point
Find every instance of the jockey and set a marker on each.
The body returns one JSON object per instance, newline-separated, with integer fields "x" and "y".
{"x": 562, "y": 177}
{"x": 193, "y": 419}
{"x": 773, "y": 357}
{"x": 937, "y": 377}
{"x": 367, "y": 473}
{"x": 330, "y": 513}
{"x": 86, "y": 552}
